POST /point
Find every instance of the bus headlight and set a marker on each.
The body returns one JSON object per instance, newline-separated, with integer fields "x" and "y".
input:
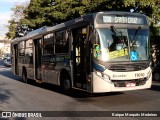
{"x": 148, "y": 75}
{"x": 102, "y": 75}
{"x": 106, "y": 77}
{"x": 99, "y": 74}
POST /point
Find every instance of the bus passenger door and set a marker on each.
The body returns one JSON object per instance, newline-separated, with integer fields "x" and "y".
{"x": 79, "y": 58}
{"x": 14, "y": 59}
{"x": 37, "y": 59}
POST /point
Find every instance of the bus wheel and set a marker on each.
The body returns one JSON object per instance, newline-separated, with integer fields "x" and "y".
{"x": 24, "y": 76}
{"x": 67, "y": 86}
{"x": 156, "y": 76}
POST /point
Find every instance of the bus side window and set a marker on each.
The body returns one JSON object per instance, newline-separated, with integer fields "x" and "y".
{"x": 62, "y": 42}
{"x": 48, "y": 44}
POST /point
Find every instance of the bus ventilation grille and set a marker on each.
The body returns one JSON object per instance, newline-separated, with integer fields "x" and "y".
{"x": 122, "y": 83}
{"x": 127, "y": 68}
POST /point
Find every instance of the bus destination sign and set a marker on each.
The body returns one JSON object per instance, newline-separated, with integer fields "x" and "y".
{"x": 104, "y": 19}
{"x": 109, "y": 19}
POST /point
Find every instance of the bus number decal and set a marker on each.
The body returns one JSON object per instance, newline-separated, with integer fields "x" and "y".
{"x": 139, "y": 75}
{"x": 107, "y": 19}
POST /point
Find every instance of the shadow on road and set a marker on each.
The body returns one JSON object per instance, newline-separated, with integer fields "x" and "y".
{"x": 20, "y": 118}
{"x": 17, "y": 118}
{"x": 155, "y": 86}
{"x": 4, "y": 93}
{"x": 7, "y": 73}
{"x": 75, "y": 93}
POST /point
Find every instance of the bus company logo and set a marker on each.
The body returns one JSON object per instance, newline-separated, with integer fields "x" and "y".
{"x": 117, "y": 76}
{"x": 6, "y": 114}
{"x": 20, "y": 114}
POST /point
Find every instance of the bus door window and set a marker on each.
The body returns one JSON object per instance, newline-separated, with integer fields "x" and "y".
{"x": 15, "y": 59}
{"x": 79, "y": 57}
{"x": 38, "y": 54}
{"x": 29, "y": 58}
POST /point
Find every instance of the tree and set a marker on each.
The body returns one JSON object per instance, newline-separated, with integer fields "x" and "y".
{"x": 151, "y": 8}
{"x": 35, "y": 14}
{"x": 18, "y": 13}
{"x": 12, "y": 29}
{"x": 50, "y": 12}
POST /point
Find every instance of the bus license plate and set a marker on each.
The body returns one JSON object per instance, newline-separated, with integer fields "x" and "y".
{"x": 130, "y": 84}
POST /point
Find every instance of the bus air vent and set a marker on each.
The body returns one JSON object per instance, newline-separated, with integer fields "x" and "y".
{"x": 127, "y": 67}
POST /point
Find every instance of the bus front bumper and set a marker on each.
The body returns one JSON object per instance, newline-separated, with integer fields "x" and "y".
{"x": 100, "y": 85}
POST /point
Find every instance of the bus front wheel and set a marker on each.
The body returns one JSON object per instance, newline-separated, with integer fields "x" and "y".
{"x": 156, "y": 76}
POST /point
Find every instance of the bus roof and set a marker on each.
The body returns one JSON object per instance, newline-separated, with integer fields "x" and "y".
{"x": 44, "y": 30}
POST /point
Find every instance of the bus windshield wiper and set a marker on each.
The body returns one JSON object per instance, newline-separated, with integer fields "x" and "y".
{"x": 117, "y": 33}
{"x": 135, "y": 34}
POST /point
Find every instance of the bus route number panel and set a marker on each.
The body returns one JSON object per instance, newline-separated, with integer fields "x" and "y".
{"x": 104, "y": 19}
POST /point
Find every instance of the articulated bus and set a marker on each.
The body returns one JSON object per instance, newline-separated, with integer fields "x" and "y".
{"x": 99, "y": 52}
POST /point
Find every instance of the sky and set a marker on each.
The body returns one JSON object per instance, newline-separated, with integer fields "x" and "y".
{"x": 5, "y": 13}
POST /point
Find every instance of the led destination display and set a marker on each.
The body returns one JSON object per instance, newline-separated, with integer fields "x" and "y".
{"x": 104, "y": 19}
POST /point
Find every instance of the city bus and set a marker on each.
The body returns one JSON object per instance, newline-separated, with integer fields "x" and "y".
{"x": 99, "y": 52}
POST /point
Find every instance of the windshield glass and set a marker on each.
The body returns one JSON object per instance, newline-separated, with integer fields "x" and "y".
{"x": 121, "y": 44}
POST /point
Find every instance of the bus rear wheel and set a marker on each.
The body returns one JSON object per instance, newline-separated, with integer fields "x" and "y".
{"x": 24, "y": 76}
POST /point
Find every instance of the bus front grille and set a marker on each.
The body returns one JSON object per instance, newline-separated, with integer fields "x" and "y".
{"x": 127, "y": 67}
{"x": 123, "y": 83}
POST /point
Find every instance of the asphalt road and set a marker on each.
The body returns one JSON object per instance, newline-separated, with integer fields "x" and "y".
{"x": 18, "y": 96}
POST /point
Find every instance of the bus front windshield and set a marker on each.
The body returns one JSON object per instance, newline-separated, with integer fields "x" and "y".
{"x": 113, "y": 44}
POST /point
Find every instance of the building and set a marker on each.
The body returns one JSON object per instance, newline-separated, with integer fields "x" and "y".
{"x": 4, "y": 46}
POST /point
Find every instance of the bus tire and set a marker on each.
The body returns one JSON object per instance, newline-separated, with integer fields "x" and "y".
{"x": 65, "y": 82}
{"x": 156, "y": 75}
{"x": 67, "y": 86}
{"x": 24, "y": 76}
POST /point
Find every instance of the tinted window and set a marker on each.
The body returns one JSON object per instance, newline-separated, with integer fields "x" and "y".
{"x": 62, "y": 42}
{"x": 48, "y": 44}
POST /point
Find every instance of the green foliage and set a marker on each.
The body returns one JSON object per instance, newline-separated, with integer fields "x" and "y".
{"x": 50, "y": 12}
{"x": 12, "y": 29}
{"x": 151, "y": 8}
{"x": 18, "y": 13}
